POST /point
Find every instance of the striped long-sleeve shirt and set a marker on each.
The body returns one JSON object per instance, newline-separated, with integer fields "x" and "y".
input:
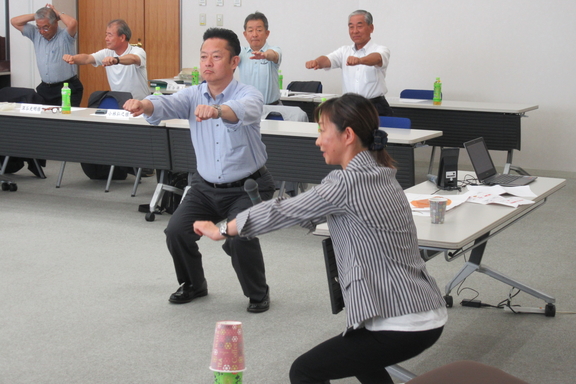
{"x": 373, "y": 233}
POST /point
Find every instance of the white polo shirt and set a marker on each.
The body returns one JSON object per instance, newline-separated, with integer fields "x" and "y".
{"x": 368, "y": 81}
{"x": 126, "y": 78}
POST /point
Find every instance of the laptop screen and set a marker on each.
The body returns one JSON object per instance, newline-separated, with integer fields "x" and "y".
{"x": 480, "y": 158}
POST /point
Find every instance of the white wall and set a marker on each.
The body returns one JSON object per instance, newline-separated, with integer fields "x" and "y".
{"x": 512, "y": 51}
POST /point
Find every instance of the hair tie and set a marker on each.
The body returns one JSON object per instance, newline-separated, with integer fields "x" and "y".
{"x": 380, "y": 140}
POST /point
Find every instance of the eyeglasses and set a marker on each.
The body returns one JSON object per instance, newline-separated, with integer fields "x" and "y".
{"x": 45, "y": 28}
{"x": 53, "y": 109}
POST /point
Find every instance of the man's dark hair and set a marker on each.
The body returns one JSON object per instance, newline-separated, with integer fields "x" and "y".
{"x": 122, "y": 28}
{"x": 256, "y": 16}
{"x": 224, "y": 34}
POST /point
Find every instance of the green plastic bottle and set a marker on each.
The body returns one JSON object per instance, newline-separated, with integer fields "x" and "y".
{"x": 437, "y": 99}
{"x": 195, "y": 76}
{"x": 66, "y": 94}
{"x": 157, "y": 92}
{"x": 280, "y": 79}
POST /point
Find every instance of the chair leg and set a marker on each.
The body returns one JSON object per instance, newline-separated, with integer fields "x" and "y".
{"x": 137, "y": 181}
{"x": 39, "y": 169}
{"x": 431, "y": 165}
{"x": 109, "y": 179}
{"x": 400, "y": 373}
{"x": 4, "y": 165}
{"x": 60, "y": 174}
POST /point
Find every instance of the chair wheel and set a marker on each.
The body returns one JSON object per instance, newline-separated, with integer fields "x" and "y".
{"x": 13, "y": 187}
{"x": 5, "y": 186}
{"x": 550, "y": 310}
{"x": 449, "y": 301}
{"x": 150, "y": 216}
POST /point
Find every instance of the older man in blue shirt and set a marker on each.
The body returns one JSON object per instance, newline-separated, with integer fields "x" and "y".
{"x": 259, "y": 63}
{"x": 51, "y": 43}
{"x": 224, "y": 118}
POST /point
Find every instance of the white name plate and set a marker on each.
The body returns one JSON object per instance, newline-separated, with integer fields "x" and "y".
{"x": 118, "y": 114}
{"x": 31, "y": 108}
{"x": 175, "y": 86}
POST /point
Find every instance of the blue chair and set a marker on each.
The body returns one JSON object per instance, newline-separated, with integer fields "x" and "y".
{"x": 395, "y": 122}
{"x": 423, "y": 94}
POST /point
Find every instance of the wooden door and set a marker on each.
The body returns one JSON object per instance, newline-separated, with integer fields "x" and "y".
{"x": 155, "y": 25}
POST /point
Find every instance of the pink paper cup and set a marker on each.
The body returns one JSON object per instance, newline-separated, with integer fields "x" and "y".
{"x": 228, "y": 348}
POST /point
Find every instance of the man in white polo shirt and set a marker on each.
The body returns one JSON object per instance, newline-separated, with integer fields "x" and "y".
{"x": 125, "y": 64}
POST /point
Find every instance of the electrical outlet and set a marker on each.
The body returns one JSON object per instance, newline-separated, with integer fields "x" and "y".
{"x": 220, "y": 3}
{"x": 220, "y": 20}
{"x": 202, "y": 2}
{"x": 237, "y": 3}
{"x": 202, "y": 19}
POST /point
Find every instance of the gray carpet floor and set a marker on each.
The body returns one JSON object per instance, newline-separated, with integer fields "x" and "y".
{"x": 85, "y": 281}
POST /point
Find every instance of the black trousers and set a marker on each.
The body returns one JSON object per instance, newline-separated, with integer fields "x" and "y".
{"x": 361, "y": 353}
{"x": 203, "y": 202}
{"x": 52, "y": 93}
{"x": 382, "y": 106}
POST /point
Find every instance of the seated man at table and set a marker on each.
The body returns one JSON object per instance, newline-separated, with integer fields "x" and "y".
{"x": 126, "y": 70}
{"x": 224, "y": 117}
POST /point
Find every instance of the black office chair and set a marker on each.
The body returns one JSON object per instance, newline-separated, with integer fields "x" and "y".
{"x": 305, "y": 86}
{"x": 14, "y": 164}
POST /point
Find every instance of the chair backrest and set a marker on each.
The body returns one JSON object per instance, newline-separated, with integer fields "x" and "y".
{"x": 395, "y": 122}
{"x": 108, "y": 99}
{"x": 20, "y": 95}
{"x": 305, "y": 86}
{"x": 283, "y": 112}
{"x": 423, "y": 94}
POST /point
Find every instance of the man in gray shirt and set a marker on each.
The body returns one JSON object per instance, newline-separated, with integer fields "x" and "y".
{"x": 50, "y": 44}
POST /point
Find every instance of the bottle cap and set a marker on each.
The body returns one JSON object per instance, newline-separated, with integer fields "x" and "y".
{"x": 65, "y": 84}
{"x": 157, "y": 88}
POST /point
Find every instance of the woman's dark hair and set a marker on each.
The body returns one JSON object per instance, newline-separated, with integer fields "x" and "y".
{"x": 357, "y": 112}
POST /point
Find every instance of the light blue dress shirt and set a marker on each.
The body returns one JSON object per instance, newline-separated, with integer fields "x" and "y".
{"x": 225, "y": 152}
{"x": 262, "y": 74}
{"x": 49, "y": 54}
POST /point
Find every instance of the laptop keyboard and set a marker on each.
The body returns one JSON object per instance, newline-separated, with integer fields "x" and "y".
{"x": 503, "y": 179}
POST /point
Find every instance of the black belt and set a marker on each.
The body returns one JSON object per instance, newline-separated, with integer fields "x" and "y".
{"x": 61, "y": 82}
{"x": 239, "y": 183}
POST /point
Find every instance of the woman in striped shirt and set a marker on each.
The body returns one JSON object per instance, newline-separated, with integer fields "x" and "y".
{"x": 394, "y": 309}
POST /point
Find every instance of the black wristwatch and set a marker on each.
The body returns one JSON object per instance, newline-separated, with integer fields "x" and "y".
{"x": 117, "y": 60}
{"x": 224, "y": 228}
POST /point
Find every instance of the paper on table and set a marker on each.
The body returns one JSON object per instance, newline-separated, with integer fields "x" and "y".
{"x": 523, "y": 191}
{"x": 493, "y": 195}
{"x": 420, "y": 204}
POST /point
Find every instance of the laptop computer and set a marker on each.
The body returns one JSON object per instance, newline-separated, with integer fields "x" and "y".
{"x": 485, "y": 170}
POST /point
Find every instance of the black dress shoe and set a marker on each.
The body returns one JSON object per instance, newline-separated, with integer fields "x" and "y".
{"x": 260, "y": 306}
{"x": 186, "y": 293}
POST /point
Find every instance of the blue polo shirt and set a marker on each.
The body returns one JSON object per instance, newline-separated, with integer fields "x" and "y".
{"x": 261, "y": 74}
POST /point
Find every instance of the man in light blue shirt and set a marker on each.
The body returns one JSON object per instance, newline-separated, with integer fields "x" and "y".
{"x": 259, "y": 63}
{"x": 224, "y": 117}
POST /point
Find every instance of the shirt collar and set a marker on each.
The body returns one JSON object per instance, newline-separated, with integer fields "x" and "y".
{"x": 368, "y": 45}
{"x": 224, "y": 96}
